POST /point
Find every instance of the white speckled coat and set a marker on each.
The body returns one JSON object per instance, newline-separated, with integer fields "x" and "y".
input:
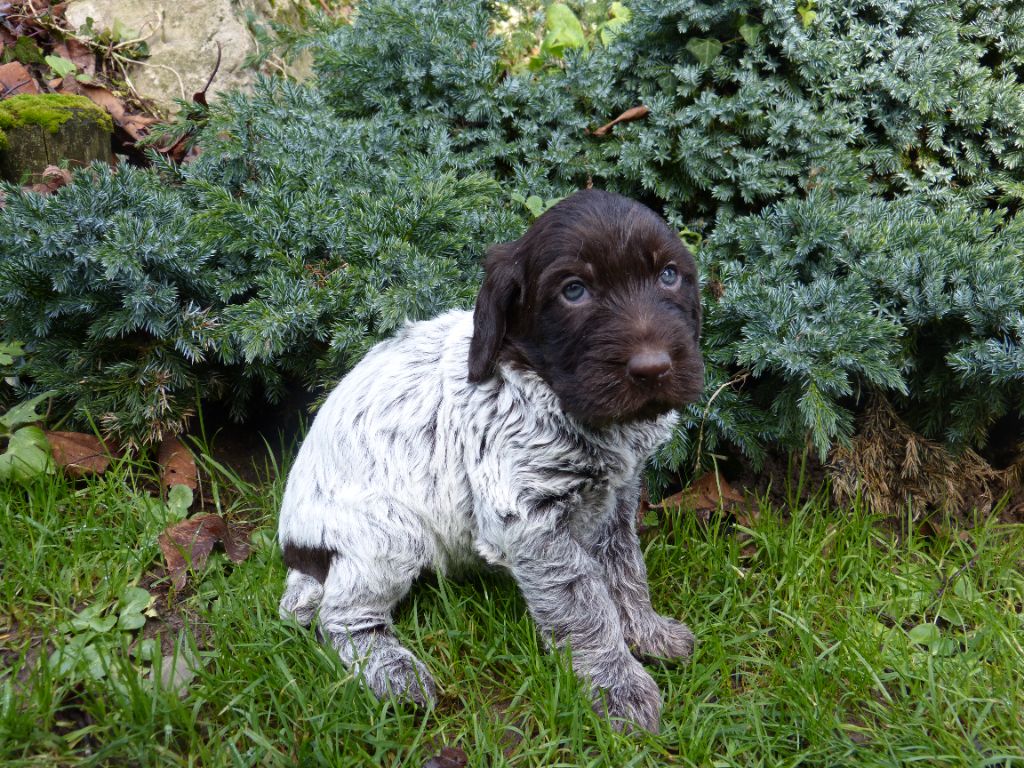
{"x": 406, "y": 444}
{"x": 454, "y": 441}
{"x": 409, "y": 467}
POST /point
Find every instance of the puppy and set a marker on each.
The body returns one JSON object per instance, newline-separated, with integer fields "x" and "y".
{"x": 517, "y": 434}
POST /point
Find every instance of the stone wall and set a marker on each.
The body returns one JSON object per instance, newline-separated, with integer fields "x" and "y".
{"x": 182, "y": 38}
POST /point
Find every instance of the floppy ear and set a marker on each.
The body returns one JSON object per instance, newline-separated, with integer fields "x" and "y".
{"x": 503, "y": 285}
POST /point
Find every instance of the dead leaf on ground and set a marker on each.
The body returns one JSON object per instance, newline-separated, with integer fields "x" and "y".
{"x": 53, "y": 179}
{"x": 187, "y": 545}
{"x": 79, "y": 53}
{"x": 177, "y": 465}
{"x": 449, "y": 757}
{"x": 177, "y": 670}
{"x": 79, "y": 453}
{"x": 635, "y": 113}
{"x": 136, "y": 126}
{"x": 16, "y": 79}
{"x": 707, "y": 493}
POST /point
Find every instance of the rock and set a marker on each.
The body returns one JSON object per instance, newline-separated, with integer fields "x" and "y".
{"x": 41, "y": 130}
{"x": 182, "y": 39}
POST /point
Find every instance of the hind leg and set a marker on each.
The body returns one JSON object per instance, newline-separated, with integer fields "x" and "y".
{"x": 355, "y": 617}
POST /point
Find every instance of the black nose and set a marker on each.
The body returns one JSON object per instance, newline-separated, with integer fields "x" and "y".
{"x": 649, "y": 364}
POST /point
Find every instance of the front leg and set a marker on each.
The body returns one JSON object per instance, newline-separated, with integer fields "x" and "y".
{"x": 567, "y": 597}
{"x": 617, "y": 549}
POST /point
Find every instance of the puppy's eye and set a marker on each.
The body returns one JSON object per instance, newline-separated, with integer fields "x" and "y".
{"x": 574, "y": 291}
{"x": 669, "y": 276}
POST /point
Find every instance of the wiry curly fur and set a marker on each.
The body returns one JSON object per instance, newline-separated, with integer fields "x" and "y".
{"x": 531, "y": 457}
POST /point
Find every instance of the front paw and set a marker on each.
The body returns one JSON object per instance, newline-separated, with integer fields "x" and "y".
{"x": 632, "y": 701}
{"x": 661, "y": 637}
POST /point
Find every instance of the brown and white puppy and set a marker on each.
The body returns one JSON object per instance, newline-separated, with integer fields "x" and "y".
{"x": 517, "y": 434}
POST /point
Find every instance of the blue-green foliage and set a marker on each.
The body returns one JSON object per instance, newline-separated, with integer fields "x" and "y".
{"x": 292, "y": 244}
{"x": 851, "y": 170}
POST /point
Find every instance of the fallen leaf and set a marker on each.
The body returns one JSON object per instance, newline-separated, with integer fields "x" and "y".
{"x": 634, "y": 113}
{"x": 707, "y": 493}
{"x": 449, "y": 757}
{"x": 134, "y": 125}
{"x": 178, "y": 466}
{"x": 188, "y": 544}
{"x": 177, "y": 670}
{"x": 16, "y": 79}
{"x": 72, "y": 50}
{"x": 79, "y": 453}
{"x": 53, "y": 179}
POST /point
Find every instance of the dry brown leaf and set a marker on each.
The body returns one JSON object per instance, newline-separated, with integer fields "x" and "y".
{"x": 79, "y": 453}
{"x": 634, "y": 113}
{"x": 136, "y": 126}
{"x": 53, "y": 179}
{"x": 177, "y": 465}
{"x": 16, "y": 79}
{"x": 188, "y": 544}
{"x": 707, "y": 493}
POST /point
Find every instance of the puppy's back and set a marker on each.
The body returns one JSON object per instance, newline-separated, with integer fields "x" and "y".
{"x": 385, "y": 429}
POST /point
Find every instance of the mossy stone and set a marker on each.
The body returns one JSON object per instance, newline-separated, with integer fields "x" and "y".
{"x": 37, "y": 130}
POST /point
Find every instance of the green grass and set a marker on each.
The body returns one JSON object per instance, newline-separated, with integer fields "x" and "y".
{"x": 806, "y": 654}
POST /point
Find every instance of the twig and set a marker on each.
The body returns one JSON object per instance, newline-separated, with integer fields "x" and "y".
{"x": 125, "y": 61}
{"x": 13, "y": 88}
{"x": 739, "y": 378}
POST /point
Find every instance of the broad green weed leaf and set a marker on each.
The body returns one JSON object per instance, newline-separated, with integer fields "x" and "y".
{"x": 618, "y": 16}
{"x": 925, "y": 634}
{"x": 133, "y": 605}
{"x": 103, "y": 624}
{"x": 704, "y": 49}
{"x": 535, "y": 205}
{"x": 96, "y": 668}
{"x": 130, "y": 621}
{"x": 750, "y": 33}
{"x": 563, "y": 30}
{"x": 91, "y": 618}
{"x": 9, "y": 351}
{"x": 146, "y": 650}
{"x": 61, "y": 67}
{"x": 24, "y": 413}
{"x": 964, "y": 589}
{"x": 27, "y": 455}
{"x": 179, "y": 499}
{"x": 807, "y": 14}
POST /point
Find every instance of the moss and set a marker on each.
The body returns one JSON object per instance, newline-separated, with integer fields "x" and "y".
{"x": 47, "y": 110}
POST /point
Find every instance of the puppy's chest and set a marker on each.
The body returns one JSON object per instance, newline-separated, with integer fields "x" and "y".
{"x": 580, "y": 485}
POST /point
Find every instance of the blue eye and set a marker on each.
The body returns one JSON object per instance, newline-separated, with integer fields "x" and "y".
{"x": 574, "y": 291}
{"x": 669, "y": 276}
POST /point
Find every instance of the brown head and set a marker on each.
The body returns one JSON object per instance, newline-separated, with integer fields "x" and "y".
{"x": 600, "y": 299}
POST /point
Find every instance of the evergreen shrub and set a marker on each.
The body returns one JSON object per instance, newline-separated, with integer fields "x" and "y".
{"x": 848, "y": 173}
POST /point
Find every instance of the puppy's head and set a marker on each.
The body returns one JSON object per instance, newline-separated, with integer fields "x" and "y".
{"x": 600, "y": 299}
